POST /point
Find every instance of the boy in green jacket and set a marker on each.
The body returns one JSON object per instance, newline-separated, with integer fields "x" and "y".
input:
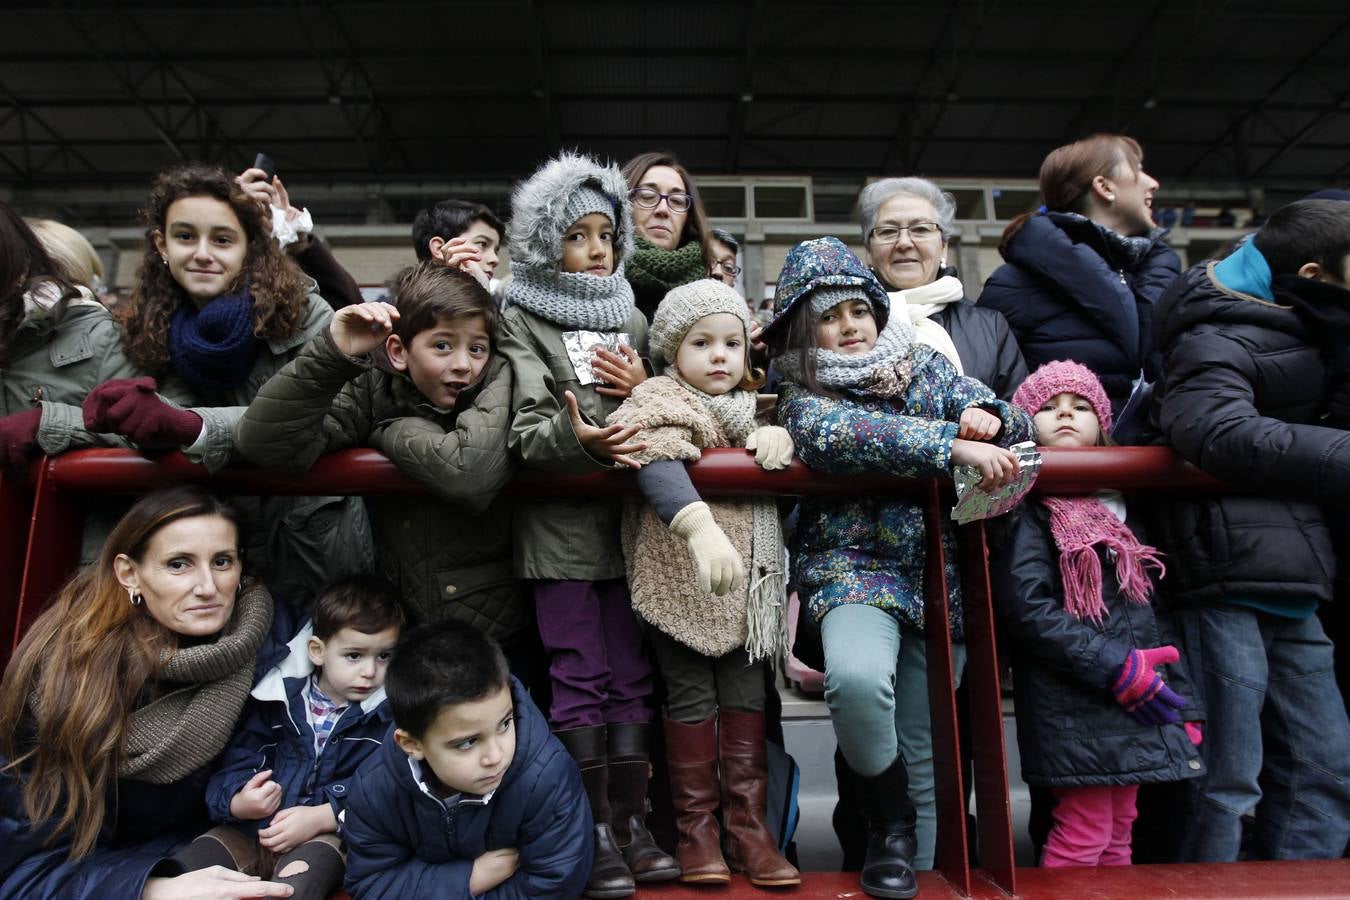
{"x": 418, "y": 381}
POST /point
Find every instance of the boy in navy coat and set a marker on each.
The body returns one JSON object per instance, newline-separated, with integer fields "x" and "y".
{"x": 472, "y": 796}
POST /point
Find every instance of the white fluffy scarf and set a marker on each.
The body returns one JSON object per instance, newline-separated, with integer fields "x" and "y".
{"x": 922, "y": 303}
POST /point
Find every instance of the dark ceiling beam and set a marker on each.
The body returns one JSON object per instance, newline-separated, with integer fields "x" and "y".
{"x": 549, "y": 119}
{"x": 904, "y": 127}
{"x": 1182, "y": 56}
{"x": 1129, "y": 55}
{"x": 953, "y": 82}
{"x": 745, "y": 95}
{"x": 25, "y": 116}
{"x": 1338, "y": 105}
{"x": 1263, "y": 102}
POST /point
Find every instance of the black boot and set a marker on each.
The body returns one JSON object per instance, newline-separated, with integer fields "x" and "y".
{"x": 888, "y": 868}
{"x": 610, "y": 877}
{"x": 629, "y": 771}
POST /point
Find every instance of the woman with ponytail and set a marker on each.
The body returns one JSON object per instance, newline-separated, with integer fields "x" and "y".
{"x": 1083, "y": 271}
{"x": 118, "y": 701}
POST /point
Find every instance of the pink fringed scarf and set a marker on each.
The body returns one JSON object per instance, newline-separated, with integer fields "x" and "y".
{"x": 1077, "y": 525}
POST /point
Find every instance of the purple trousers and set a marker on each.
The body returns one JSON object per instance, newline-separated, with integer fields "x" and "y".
{"x": 595, "y": 661}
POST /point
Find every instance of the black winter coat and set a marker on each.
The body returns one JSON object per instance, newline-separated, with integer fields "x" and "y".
{"x": 1241, "y": 389}
{"x": 986, "y": 345}
{"x": 1070, "y": 730}
{"x": 1071, "y": 289}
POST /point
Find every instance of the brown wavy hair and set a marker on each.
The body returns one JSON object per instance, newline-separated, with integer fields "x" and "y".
{"x": 279, "y": 296}
{"x": 24, "y": 266}
{"x": 696, "y": 227}
{"x": 1067, "y": 173}
{"x": 72, "y": 685}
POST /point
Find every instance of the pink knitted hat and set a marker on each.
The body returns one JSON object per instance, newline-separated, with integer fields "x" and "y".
{"x": 1064, "y": 376}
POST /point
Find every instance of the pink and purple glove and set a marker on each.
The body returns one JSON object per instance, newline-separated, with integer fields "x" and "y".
{"x": 130, "y": 407}
{"x": 1141, "y": 691}
{"x": 18, "y": 438}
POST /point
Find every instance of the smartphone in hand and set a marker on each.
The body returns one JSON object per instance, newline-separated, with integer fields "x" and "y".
{"x": 264, "y": 162}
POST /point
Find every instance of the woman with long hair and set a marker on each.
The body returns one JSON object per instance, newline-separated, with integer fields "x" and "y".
{"x": 217, "y": 310}
{"x": 1084, "y": 270}
{"x": 119, "y": 699}
{"x": 57, "y": 342}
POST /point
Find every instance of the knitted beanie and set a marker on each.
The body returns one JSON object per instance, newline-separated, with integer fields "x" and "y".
{"x": 584, "y": 201}
{"x": 1064, "y": 377}
{"x": 685, "y": 305}
{"x": 828, "y": 296}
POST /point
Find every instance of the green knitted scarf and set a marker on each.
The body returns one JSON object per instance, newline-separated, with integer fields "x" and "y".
{"x": 653, "y": 271}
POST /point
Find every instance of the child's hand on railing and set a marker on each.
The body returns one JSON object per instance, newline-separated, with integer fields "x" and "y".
{"x": 610, "y": 442}
{"x": 130, "y": 407}
{"x": 978, "y": 425}
{"x": 997, "y": 466}
{"x": 772, "y": 446}
{"x": 257, "y": 799}
{"x": 360, "y": 329}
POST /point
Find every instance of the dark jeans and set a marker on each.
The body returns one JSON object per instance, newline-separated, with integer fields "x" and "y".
{"x": 1277, "y": 742}
{"x": 596, "y": 665}
{"x": 697, "y": 685}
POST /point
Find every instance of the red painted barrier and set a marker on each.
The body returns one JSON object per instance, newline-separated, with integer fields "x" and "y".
{"x": 51, "y": 545}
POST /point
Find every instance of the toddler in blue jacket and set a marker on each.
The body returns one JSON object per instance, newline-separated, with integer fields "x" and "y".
{"x": 313, "y": 720}
{"x": 471, "y": 796}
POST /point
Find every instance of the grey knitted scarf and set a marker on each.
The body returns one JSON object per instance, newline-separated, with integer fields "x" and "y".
{"x": 734, "y": 410}
{"x": 183, "y": 730}
{"x": 877, "y": 372}
{"x": 572, "y": 299}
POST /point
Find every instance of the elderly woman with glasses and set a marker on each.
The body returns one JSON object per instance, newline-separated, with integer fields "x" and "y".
{"x": 906, "y": 223}
{"x": 674, "y": 241}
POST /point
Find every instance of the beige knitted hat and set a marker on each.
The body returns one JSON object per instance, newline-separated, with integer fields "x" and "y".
{"x": 684, "y": 306}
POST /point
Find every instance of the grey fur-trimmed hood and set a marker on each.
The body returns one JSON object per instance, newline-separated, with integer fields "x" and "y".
{"x": 537, "y": 204}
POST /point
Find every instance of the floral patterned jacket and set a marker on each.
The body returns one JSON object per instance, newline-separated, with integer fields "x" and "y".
{"x": 871, "y": 549}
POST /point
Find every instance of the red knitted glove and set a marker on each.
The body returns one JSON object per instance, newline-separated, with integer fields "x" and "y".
{"x": 18, "y": 438}
{"x": 1142, "y": 692}
{"x": 130, "y": 407}
{"x": 1195, "y": 731}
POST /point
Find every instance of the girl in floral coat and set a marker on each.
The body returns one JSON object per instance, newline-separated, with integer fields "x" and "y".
{"x": 861, "y": 395}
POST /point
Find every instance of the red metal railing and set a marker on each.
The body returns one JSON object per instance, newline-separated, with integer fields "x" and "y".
{"x": 42, "y": 519}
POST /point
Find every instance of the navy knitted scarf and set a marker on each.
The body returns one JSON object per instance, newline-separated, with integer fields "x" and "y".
{"x": 214, "y": 347}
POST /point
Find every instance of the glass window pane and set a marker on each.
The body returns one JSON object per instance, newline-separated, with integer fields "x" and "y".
{"x": 970, "y": 203}
{"x": 780, "y": 201}
{"x": 723, "y": 201}
{"x": 1010, "y": 202}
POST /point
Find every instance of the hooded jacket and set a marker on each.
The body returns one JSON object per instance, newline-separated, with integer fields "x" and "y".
{"x": 403, "y": 841}
{"x": 873, "y": 550}
{"x": 449, "y": 553}
{"x": 1241, "y": 393}
{"x": 1070, "y": 731}
{"x": 1072, "y": 289}
{"x": 573, "y": 538}
{"x": 275, "y": 734}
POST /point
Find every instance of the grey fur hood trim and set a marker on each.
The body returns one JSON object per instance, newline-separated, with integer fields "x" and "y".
{"x": 536, "y": 230}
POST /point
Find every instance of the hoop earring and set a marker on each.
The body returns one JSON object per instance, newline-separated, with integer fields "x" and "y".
{"x": 135, "y": 598}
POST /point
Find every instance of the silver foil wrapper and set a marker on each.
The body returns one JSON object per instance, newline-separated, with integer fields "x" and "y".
{"x": 581, "y": 347}
{"x": 973, "y": 504}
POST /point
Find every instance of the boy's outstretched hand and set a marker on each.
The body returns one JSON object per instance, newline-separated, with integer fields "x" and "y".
{"x": 257, "y": 799}
{"x": 359, "y": 329}
{"x": 492, "y": 868}
{"x": 979, "y": 425}
{"x": 623, "y": 371}
{"x": 610, "y": 442}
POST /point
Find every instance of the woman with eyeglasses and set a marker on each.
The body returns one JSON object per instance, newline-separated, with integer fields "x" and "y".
{"x": 1083, "y": 271}
{"x": 906, "y": 224}
{"x": 674, "y": 241}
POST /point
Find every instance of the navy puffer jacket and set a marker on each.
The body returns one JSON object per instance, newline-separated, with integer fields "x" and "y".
{"x": 405, "y": 842}
{"x": 1072, "y": 289}
{"x": 1070, "y": 731}
{"x": 1241, "y": 395}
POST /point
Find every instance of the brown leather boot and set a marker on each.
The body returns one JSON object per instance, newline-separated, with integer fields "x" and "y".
{"x": 745, "y": 782}
{"x": 630, "y": 769}
{"x": 610, "y": 877}
{"x": 691, "y": 758}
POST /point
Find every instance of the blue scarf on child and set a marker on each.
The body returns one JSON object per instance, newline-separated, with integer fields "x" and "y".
{"x": 214, "y": 347}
